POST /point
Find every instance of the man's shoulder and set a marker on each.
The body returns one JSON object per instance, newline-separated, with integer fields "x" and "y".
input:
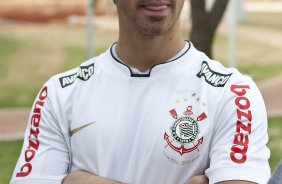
{"x": 215, "y": 73}
{"x": 81, "y": 73}
{"x": 218, "y": 77}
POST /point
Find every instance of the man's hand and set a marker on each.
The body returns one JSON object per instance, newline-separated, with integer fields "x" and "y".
{"x": 200, "y": 179}
{"x": 82, "y": 177}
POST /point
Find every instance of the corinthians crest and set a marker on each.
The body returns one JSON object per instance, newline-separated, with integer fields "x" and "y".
{"x": 184, "y": 132}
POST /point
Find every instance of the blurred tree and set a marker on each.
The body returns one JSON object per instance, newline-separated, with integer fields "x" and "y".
{"x": 205, "y": 23}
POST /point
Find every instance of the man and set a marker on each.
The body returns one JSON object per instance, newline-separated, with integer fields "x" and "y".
{"x": 151, "y": 109}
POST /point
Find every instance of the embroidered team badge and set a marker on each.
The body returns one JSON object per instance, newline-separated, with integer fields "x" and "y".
{"x": 184, "y": 138}
{"x": 185, "y": 132}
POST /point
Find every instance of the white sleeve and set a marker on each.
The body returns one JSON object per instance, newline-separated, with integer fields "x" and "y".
{"x": 45, "y": 153}
{"x": 238, "y": 150}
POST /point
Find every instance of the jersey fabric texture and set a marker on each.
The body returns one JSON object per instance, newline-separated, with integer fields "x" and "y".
{"x": 185, "y": 117}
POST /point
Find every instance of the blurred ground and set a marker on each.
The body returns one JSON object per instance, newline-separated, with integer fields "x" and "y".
{"x": 271, "y": 91}
{"x": 264, "y": 6}
{"x": 14, "y": 121}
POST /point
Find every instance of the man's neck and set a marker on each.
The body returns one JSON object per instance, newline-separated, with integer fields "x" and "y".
{"x": 143, "y": 52}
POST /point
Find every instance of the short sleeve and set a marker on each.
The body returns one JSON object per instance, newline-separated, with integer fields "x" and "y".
{"x": 238, "y": 149}
{"x": 45, "y": 153}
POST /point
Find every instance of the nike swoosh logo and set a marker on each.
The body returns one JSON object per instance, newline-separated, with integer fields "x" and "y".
{"x": 79, "y": 128}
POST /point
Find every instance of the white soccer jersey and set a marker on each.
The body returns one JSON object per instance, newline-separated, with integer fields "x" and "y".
{"x": 187, "y": 116}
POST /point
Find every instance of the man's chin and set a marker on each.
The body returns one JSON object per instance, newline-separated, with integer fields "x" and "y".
{"x": 153, "y": 33}
{"x": 154, "y": 30}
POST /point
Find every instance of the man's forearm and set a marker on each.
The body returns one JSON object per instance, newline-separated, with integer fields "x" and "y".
{"x": 236, "y": 182}
{"x": 78, "y": 177}
{"x": 200, "y": 179}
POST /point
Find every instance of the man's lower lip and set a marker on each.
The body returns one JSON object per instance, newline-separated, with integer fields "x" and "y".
{"x": 156, "y": 10}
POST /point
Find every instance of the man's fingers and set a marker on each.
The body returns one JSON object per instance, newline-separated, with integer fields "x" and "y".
{"x": 76, "y": 177}
{"x": 200, "y": 179}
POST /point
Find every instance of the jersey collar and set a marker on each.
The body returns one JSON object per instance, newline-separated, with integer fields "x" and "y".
{"x": 156, "y": 70}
